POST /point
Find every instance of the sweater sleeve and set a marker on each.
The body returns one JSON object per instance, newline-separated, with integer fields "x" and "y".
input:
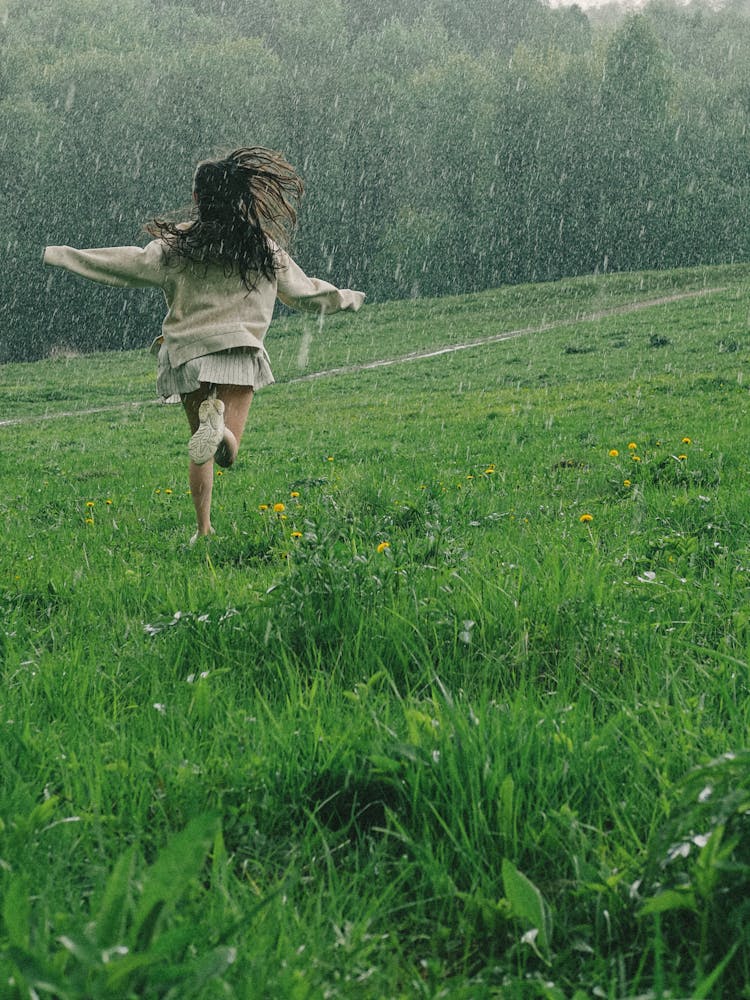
{"x": 298, "y": 291}
{"x": 130, "y": 267}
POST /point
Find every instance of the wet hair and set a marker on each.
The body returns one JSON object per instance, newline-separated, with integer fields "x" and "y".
{"x": 245, "y": 202}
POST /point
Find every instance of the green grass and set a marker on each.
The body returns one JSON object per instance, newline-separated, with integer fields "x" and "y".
{"x": 488, "y": 760}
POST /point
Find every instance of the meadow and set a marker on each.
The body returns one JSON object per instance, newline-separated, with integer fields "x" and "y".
{"x": 455, "y": 703}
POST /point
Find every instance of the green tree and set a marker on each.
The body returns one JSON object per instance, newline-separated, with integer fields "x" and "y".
{"x": 635, "y": 85}
{"x": 446, "y": 145}
{"x": 633, "y": 145}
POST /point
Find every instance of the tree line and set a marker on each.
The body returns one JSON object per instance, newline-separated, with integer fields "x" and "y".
{"x": 447, "y": 145}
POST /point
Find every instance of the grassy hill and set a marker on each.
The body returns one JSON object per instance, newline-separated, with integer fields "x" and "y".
{"x": 467, "y": 718}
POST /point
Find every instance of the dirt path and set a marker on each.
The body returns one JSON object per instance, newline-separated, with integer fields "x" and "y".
{"x": 432, "y": 352}
{"x": 496, "y": 338}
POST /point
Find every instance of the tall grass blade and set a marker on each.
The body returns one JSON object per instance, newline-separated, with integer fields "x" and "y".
{"x": 703, "y": 990}
{"x": 38, "y": 974}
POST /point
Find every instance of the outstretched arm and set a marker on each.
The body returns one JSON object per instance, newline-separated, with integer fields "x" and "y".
{"x": 298, "y": 291}
{"x": 133, "y": 267}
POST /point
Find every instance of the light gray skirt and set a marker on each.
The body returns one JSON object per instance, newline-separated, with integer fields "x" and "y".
{"x": 237, "y": 366}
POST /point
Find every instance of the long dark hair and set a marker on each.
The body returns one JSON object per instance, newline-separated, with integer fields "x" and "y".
{"x": 244, "y": 202}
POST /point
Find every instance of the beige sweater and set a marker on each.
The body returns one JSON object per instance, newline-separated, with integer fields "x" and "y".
{"x": 208, "y": 311}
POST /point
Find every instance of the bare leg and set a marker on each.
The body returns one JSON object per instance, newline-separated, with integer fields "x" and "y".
{"x": 201, "y": 477}
{"x": 237, "y": 400}
{"x": 201, "y": 487}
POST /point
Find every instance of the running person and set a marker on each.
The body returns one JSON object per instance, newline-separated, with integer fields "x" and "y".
{"x": 221, "y": 274}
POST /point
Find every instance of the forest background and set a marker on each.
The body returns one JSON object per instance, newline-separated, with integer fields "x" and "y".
{"x": 448, "y": 145}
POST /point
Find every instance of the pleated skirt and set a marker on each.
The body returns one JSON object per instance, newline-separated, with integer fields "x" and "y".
{"x": 237, "y": 366}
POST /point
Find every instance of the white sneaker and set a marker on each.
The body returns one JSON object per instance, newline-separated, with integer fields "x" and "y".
{"x": 210, "y": 433}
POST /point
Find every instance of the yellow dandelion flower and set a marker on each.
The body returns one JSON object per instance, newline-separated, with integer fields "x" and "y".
{"x": 626, "y": 482}
{"x": 89, "y": 520}
{"x": 219, "y": 472}
{"x": 613, "y": 452}
{"x": 682, "y": 458}
{"x": 294, "y": 494}
{"x": 330, "y": 458}
{"x": 585, "y": 518}
{"x": 383, "y": 546}
{"x": 469, "y": 477}
{"x": 108, "y": 503}
{"x": 157, "y": 491}
{"x": 489, "y": 471}
{"x": 263, "y": 506}
{"x": 296, "y": 534}
{"x": 635, "y": 458}
{"x": 686, "y": 441}
{"x": 279, "y": 508}
{"x": 168, "y": 492}
{"x": 632, "y": 446}
{"x": 89, "y": 504}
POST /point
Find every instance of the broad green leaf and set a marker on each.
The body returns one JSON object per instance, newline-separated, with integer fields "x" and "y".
{"x": 42, "y": 813}
{"x": 170, "y": 875}
{"x": 527, "y": 903}
{"x": 110, "y": 920}
{"x": 219, "y": 862}
{"x": 670, "y": 899}
{"x": 17, "y": 913}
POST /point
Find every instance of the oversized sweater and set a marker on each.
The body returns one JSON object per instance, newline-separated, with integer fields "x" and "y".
{"x": 207, "y": 310}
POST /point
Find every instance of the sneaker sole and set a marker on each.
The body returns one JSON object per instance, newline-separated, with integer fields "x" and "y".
{"x": 210, "y": 433}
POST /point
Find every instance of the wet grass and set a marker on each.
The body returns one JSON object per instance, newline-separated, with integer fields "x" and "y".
{"x": 467, "y": 718}
{"x": 299, "y": 347}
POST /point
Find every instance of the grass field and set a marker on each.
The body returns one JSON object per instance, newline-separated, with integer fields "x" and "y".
{"x": 467, "y": 717}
